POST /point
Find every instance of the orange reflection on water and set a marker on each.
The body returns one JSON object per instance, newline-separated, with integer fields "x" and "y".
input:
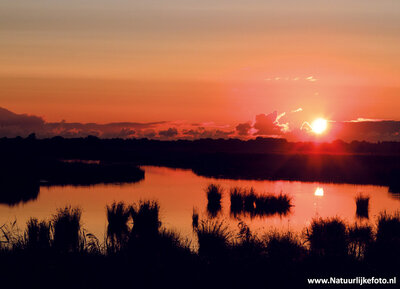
{"x": 179, "y": 191}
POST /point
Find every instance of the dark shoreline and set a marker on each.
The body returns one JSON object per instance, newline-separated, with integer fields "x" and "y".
{"x": 28, "y": 162}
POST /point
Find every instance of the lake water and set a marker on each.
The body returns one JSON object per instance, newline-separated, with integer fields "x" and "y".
{"x": 179, "y": 191}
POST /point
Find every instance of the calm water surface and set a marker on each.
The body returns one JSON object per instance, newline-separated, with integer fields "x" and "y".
{"x": 179, "y": 191}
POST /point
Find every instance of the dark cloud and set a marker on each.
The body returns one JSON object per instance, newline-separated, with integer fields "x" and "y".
{"x": 123, "y": 133}
{"x": 386, "y": 130}
{"x": 243, "y": 129}
{"x": 8, "y": 118}
{"x": 169, "y": 133}
{"x": 149, "y": 133}
{"x": 223, "y": 134}
{"x": 110, "y": 130}
{"x": 202, "y": 132}
{"x": 266, "y": 124}
{"x": 12, "y": 124}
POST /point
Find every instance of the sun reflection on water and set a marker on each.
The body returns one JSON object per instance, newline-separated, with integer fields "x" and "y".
{"x": 319, "y": 192}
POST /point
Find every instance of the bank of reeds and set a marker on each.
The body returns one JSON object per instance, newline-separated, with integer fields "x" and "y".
{"x": 250, "y": 203}
{"x": 385, "y": 250}
{"x": 153, "y": 256}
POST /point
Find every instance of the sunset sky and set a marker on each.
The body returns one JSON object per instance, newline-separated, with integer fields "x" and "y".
{"x": 209, "y": 63}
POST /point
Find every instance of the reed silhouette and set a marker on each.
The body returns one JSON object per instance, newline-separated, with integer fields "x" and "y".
{"x": 284, "y": 248}
{"x": 38, "y": 234}
{"x": 154, "y": 257}
{"x": 146, "y": 219}
{"x": 385, "y": 251}
{"x": 118, "y": 215}
{"x": 360, "y": 238}
{"x": 362, "y": 206}
{"x": 195, "y": 219}
{"x": 66, "y": 224}
{"x": 327, "y": 237}
{"x": 250, "y": 203}
{"x": 237, "y": 200}
{"x": 213, "y": 237}
{"x": 214, "y": 196}
{"x": 247, "y": 244}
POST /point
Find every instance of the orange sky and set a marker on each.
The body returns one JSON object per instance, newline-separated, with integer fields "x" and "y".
{"x": 103, "y": 61}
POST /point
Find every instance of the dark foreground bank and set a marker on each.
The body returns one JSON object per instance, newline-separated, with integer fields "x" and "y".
{"x": 138, "y": 252}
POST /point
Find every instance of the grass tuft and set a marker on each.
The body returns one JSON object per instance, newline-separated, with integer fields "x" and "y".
{"x": 362, "y": 204}
{"x": 327, "y": 237}
{"x": 37, "y": 234}
{"x": 250, "y": 203}
{"x": 146, "y": 219}
{"x": 360, "y": 237}
{"x": 214, "y": 238}
{"x": 118, "y": 215}
{"x": 195, "y": 219}
{"x": 283, "y": 247}
{"x": 66, "y": 225}
{"x": 214, "y": 196}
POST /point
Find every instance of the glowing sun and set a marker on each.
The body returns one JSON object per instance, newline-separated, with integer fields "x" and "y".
{"x": 319, "y": 125}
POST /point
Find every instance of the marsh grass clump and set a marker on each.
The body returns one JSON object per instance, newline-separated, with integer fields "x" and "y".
{"x": 146, "y": 219}
{"x": 214, "y": 238}
{"x": 283, "y": 247}
{"x": 359, "y": 237}
{"x": 388, "y": 227}
{"x": 37, "y": 234}
{"x": 66, "y": 225}
{"x": 10, "y": 237}
{"x": 237, "y": 200}
{"x": 91, "y": 244}
{"x": 327, "y": 237}
{"x": 195, "y": 219}
{"x": 170, "y": 242}
{"x": 247, "y": 245}
{"x": 118, "y": 215}
{"x": 214, "y": 196}
{"x": 271, "y": 205}
{"x": 248, "y": 202}
{"x": 214, "y": 193}
{"x": 386, "y": 248}
{"x": 362, "y": 206}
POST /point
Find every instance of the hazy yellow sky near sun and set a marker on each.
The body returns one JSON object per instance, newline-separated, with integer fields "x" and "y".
{"x": 223, "y": 61}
